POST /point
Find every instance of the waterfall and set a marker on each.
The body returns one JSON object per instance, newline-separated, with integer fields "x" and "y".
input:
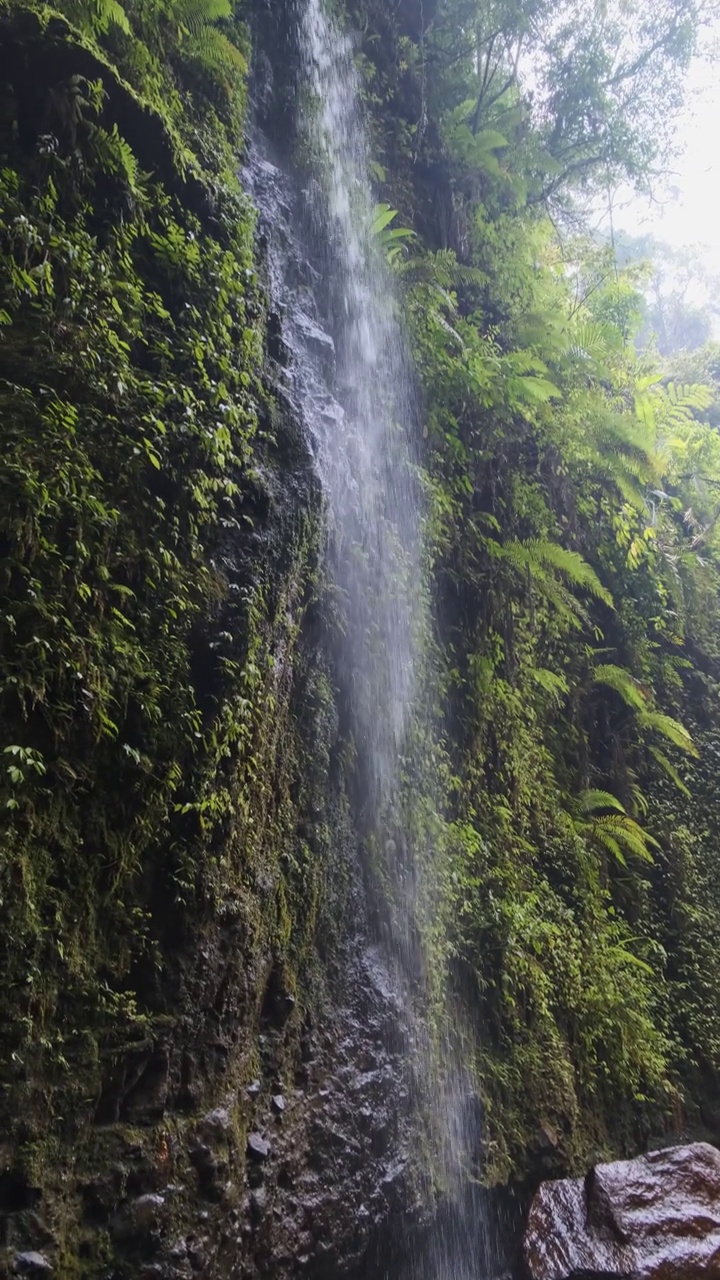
{"x": 355, "y": 395}
{"x": 366, "y": 466}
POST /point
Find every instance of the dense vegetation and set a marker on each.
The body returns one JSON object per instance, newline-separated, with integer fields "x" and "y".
{"x": 156, "y": 678}
{"x": 573, "y": 484}
{"x": 158, "y": 536}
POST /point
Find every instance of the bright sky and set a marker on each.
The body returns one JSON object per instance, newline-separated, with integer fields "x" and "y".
{"x": 686, "y": 207}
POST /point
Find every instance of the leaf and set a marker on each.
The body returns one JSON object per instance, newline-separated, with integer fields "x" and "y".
{"x": 590, "y": 801}
{"x": 556, "y": 685}
{"x": 537, "y": 555}
{"x": 670, "y": 770}
{"x": 671, "y": 729}
{"x": 382, "y": 217}
{"x": 623, "y": 683}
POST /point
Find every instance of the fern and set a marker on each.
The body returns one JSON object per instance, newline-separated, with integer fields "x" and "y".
{"x": 115, "y": 155}
{"x": 671, "y": 729}
{"x": 538, "y": 556}
{"x": 593, "y": 344}
{"x": 621, "y": 681}
{"x": 622, "y": 830}
{"x": 194, "y": 15}
{"x": 97, "y": 16}
{"x": 672, "y": 405}
{"x": 616, "y": 831}
{"x": 670, "y": 770}
{"x": 591, "y": 801}
{"x": 556, "y": 685}
{"x": 212, "y": 51}
{"x": 442, "y": 272}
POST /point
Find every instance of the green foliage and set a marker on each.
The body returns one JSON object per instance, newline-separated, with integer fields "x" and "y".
{"x": 573, "y": 524}
{"x": 392, "y": 241}
{"x": 149, "y": 779}
{"x": 537, "y": 557}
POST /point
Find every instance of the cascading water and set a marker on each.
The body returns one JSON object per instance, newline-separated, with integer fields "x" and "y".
{"x": 366, "y": 467}
{"x": 364, "y": 441}
{"x": 376, "y": 518}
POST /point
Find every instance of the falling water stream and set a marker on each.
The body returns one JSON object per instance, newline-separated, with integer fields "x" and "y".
{"x": 375, "y": 508}
{"x": 364, "y": 436}
{"x": 366, "y": 467}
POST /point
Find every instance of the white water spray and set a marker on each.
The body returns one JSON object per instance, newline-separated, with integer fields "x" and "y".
{"x": 366, "y": 465}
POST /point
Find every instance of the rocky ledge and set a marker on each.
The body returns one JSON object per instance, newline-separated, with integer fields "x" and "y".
{"x": 653, "y": 1218}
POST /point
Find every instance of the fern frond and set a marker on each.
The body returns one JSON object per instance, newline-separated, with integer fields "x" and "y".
{"x": 628, "y": 833}
{"x": 211, "y": 50}
{"x": 623, "y": 683}
{"x": 594, "y": 343}
{"x": 592, "y": 800}
{"x": 669, "y": 768}
{"x": 611, "y": 844}
{"x": 555, "y": 685}
{"x": 443, "y": 270}
{"x": 640, "y": 800}
{"x": 114, "y": 155}
{"x": 670, "y": 728}
{"x": 567, "y": 605}
{"x": 537, "y": 554}
{"x": 98, "y": 15}
{"x": 196, "y": 14}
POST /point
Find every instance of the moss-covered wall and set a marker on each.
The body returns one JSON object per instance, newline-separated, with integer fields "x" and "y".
{"x": 176, "y": 841}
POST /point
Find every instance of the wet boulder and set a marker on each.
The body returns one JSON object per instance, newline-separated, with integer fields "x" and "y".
{"x": 653, "y": 1218}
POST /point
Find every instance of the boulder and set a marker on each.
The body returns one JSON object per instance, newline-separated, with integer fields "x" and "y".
{"x": 653, "y": 1218}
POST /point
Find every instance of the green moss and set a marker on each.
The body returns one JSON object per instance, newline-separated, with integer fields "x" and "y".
{"x": 158, "y": 695}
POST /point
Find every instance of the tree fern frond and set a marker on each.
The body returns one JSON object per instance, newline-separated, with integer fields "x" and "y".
{"x": 567, "y": 605}
{"x": 443, "y": 270}
{"x": 98, "y": 15}
{"x": 640, "y": 800}
{"x": 196, "y": 14}
{"x": 670, "y": 728}
{"x": 536, "y": 554}
{"x": 592, "y": 800}
{"x": 554, "y": 684}
{"x": 669, "y": 768}
{"x": 627, "y": 833}
{"x": 211, "y": 49}
{"x": 623, "y": 683}
{"x": 594, "y": 343}
{"x": 610, "y": 843}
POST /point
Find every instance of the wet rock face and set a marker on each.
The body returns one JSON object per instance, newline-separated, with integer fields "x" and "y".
{"x": 330, "y": 1163}
{"x": 654, "y": 1218}
{"x": 294, "y": 1175}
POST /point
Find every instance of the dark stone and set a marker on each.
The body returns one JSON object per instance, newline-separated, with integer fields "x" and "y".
{"x": 258, "y": 1148}
{"x": 653, "y": 1218}
{"x": 138, "y": 1218}
{"x": 32, "y": 1264}
{"x": 217, "y": 1125}
{"x": 278, "y": 1003}
{"x": 15, "y": 1192}
{"x": 258, "y": 1203}
{"x": 146, "y": 1211}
